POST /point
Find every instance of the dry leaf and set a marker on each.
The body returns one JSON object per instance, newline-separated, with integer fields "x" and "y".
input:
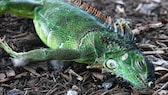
{"x": 147, "y": 8}
{"x": 10, "y": 72}
{"x": 98, "y": 76}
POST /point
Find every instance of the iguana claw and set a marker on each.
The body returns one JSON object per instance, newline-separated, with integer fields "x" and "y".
{"x": 6, "y": 47}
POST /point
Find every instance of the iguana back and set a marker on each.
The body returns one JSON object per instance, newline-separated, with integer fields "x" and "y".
{"x": 65, "y": 24}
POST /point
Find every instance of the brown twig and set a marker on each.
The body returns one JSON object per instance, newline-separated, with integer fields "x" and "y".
{"x": 163, "y": 87}
{"x": 164, "y": 77}
{"x": 75, "y": 74}
{"x": 31, "y": 70}
{"x": 154, "y": 52}
{"x": 146, "y": 27}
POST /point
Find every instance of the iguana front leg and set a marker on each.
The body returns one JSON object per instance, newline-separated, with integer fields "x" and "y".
{"x": 42, "y": 54}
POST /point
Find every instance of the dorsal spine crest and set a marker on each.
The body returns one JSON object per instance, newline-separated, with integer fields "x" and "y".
{"x": 110, "y": 24}
{"x": 85, "y": 6}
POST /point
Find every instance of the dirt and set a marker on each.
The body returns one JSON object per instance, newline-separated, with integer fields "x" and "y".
{"x": 149, "y": 24}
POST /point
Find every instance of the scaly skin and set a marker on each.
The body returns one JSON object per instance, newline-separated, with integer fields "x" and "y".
{"x": 72, "y": 34}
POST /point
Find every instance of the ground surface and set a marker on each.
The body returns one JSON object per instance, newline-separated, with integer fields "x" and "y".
{"x": 149, "y": 23}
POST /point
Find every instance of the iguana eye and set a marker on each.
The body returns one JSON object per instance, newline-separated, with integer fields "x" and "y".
{"x": 111, "y": 64}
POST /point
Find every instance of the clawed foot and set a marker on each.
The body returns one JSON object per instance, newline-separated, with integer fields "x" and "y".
{"x": 6, "y": 47}
{"x": 1, "y": 40}
{"x": 17, "y": 59}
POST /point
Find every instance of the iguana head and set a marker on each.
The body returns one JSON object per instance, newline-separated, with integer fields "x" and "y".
{"x": 122, "y": 57}
{"x": 131, "y": 66}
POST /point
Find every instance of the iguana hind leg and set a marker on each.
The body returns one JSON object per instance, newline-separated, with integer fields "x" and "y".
{"x": 42, "y": 54}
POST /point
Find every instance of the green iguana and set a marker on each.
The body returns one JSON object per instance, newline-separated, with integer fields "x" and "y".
{"x": 75, "y": 31}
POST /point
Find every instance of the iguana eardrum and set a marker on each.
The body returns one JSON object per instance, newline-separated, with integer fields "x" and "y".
{"x": 72, "y": 31}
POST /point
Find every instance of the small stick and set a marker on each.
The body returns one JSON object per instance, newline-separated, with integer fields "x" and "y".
{"x": 146, "y": 27}
{"x": 75, "y": 74}
{"x": 154, "y": 52}
{"x": 162, "y": 78}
